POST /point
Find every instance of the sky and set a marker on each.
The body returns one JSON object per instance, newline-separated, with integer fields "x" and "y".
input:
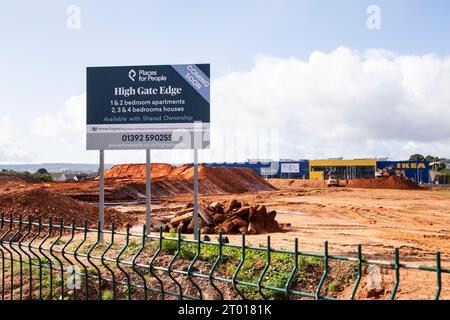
{"x": 309, "y": 78}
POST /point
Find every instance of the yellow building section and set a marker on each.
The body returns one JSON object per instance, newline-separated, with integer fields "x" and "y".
{"x": 348, "y": 166}
{"x": 341, "y": 163}
{"x": 316, "y": 175}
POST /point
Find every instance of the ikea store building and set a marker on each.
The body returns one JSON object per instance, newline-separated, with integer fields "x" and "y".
{"x": 339, "y": 168}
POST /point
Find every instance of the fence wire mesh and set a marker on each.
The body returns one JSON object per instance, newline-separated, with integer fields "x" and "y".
{"x": 54, "y": 261}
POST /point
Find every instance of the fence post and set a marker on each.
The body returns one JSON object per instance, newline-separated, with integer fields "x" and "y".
{"x": 397, "y": 273}
{"x": 325, "y": 270}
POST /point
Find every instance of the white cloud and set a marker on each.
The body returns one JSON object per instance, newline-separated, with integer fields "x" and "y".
{"x": 15, "y": 145}
{"x": 344, "y": 103}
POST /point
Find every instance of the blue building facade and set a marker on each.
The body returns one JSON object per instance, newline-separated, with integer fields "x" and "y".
{"x": 418, "y": 171}
{"x": 272, "y": 169}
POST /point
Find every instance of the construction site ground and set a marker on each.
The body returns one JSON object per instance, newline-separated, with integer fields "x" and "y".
{"x": 418, "y": 222}
{"x": 415, "y": 221}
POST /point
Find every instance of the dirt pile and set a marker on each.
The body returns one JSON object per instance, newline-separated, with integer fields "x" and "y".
{"x": 384, "y": 183}
{"x": 16, "y": 179}
{"x": 296, "y": 183}
{"x": 168, "y": 180}
{"x": 137, "y": 171}
{"x": 229, "y": 217}
{"x": 41, "y": 202}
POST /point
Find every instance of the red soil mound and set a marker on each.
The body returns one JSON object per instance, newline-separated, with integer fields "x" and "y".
{"x": 296, "y": 183}
{"x": 16, "y": 179}
{"x": 137, "y": 171}
{"x": 171, "y": 180}
{"x": 384, "y": 183}
{"x": 41, "y": 202}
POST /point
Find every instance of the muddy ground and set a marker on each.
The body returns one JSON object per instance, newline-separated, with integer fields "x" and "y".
{"x": 418, "y": 222}
{"x": 415, "y": 221}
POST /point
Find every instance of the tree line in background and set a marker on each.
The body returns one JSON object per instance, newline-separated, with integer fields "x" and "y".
{"x": 438, "y": 168}
{"x": 41, "y": 174}
{"x": 429, "y": 158}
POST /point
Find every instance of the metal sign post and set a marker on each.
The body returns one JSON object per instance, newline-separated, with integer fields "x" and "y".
{"x": 148, "y": 194}
{"x": 196, "y": 194}
{"x": 101, "y": 207}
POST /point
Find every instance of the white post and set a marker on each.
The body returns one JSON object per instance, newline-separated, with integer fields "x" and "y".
{"x": 195, "y": 194}
{"x": 148, "y": 193}
{"x": 101, "y": 207}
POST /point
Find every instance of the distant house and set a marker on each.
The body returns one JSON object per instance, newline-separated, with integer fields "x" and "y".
{"x": 66, "y": 176}
{"x": 58, "y": 176}
{"x": 81, "y": 176}
{"x": 71, "y": 177}
{"x": 439, "y": 165}
{"x": 92, "y": 176}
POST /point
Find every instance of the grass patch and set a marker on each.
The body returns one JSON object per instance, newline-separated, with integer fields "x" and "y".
{"x": 107, "y": 295}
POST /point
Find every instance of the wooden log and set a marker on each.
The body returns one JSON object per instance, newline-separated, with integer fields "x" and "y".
{"x": 183, "y": 218}
{"x": 272, "y": 226}
{"x": 169, "y": 227}
{"x": 182, "y": 212}
{"x": 271, "y": 215}
{"x": 216, "y": 207}
{"x": 243, "y": 230}
{"x": 231, "y": 205}
{"x": 201, "y": 224}
{"x": 261, "y": 210}
{"x": 156, "y": 224}
{"x": 251, "y": 228}
{"x": 238, "y": 222}
{"x": 207, "y": 230}
{"x": 203, "y": 213}
{"x": 219, "y": 218}
{"x": 227, "y": 226}
{"x": 181, "y": 226}
{"x": 166, "y": 219}
{"x": 189, "y": 205}
{"x": 251, "y": 213}
{"x": 243, "y": 212}
{"x": 256, "y": 228}
{"x": 190, "y": 227}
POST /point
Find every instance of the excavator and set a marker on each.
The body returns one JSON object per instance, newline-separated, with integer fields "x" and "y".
{"x": 332, "y": 180}
{"x": 389, "y": 171}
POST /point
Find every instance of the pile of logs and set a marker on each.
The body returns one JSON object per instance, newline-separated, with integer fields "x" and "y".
{"x": 230, "y": 217}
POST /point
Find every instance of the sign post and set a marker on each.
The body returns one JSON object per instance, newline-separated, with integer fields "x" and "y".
{"x": 144, "y": 108}
{"x": 101, "y": 208}
{"x": 195, "y": 194}
{"x": 148, "y": 194}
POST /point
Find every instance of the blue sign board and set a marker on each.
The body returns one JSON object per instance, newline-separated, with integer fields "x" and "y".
{"x": 148, "y": 107}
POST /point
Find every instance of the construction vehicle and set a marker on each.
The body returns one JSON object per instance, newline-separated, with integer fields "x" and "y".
{"x": 389, "y": 171}
{"x": 332, "y": 182}
{"x": 386, "y": 172}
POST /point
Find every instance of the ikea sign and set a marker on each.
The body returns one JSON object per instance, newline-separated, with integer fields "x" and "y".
{"x": 411, "y": 165}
